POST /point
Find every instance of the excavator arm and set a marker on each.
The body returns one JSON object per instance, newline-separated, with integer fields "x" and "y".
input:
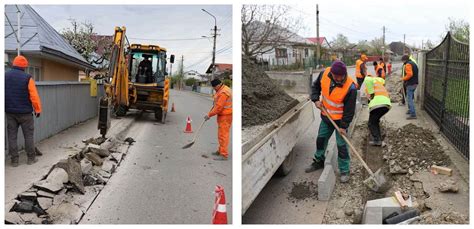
{"x": 116, "y": 89}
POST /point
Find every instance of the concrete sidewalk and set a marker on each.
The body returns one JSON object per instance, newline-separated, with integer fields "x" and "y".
{"x": 60, "y": 146}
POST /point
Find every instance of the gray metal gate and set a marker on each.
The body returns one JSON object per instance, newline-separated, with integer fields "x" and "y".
{"x": 447, "y": 90}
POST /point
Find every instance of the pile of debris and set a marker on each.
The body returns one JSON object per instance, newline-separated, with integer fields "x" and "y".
{"x": 412, "y": 148}
{"x": 303, "y": 190}
{"x": 393, "y": 85}
{"x": 262, "y": 100}
{"x": 70, "y": 187}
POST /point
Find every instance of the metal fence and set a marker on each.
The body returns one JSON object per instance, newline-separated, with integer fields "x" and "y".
{"x": 64, "y": 104}
{"x": 447, "y": 90}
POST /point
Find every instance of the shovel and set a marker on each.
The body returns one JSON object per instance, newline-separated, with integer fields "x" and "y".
{"x": 377, "y": 179}
{"x": 195, "y": 136}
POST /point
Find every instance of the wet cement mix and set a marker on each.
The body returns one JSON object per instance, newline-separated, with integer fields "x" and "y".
{"x": 262, "y": 100}
{"x": 303, "y": 190}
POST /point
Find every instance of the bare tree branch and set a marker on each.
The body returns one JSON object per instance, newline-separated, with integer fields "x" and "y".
{"x": 266, "y": 27}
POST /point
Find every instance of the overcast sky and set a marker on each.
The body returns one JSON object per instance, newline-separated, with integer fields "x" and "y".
{"x": 161, "y": 22}
{"x": 363, "y": 20}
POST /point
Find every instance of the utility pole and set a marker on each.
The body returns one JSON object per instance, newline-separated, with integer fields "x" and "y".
{"x": 214, "y": 46}
{"x": 404, "y": 44}
{"x": 18, "y": 15}
{"x": 318, "y": 48}
{"x": 181, "y": 73}
{"x": 383, "y": 45}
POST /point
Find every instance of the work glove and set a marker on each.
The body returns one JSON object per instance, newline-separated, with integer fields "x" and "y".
{"x": 37, "y": 115}
{"x": 342, "y": 131}
{"x": 206, "y": 118}
{"x": 318, "y": 104}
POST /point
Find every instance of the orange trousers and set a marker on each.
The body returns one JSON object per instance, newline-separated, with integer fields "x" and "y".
{"x": 224, "y": 122}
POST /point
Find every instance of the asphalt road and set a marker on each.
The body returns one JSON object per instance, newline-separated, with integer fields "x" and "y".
{"x": 274, "y": 204}
{"x": 160, "y": 183}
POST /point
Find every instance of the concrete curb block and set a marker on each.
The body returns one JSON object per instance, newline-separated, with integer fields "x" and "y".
{"x": 326, "y": 183}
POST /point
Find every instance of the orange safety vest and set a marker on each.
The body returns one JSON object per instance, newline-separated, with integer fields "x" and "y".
{"x": 224, "y": 90}
{"x": 334, "y": 101}
{"x": 379, "y": 89}
{"x": 380, "y": 66}
{"x": 359, "y": 63}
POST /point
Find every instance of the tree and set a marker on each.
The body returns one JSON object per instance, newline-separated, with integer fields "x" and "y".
{"x": 429, "y": 44}
{"x": 190, "y": 81}
{"x": 264, "y": 28}
{"x": 376, "y": 46}
{"x": 81, "y": 37}
{"x": 340, "y": 42}
{"x": 363, "y": 46}
{"x": 459, "y": 29}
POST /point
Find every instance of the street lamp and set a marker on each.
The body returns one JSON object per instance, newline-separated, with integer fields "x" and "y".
{"x": 214, "y": 46}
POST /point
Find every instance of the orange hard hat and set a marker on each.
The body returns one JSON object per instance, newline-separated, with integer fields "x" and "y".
{"x": 20, "y": 61}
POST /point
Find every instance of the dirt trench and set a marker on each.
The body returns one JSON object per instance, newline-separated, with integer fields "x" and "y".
{"x": 409, "y": 151}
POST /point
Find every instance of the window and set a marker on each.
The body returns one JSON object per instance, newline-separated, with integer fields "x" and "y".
{"x": 306, "y": 53}
{"x": 281, "y": 53}
{"x": 35, "y": 72}
{"x": 294, "y": 52}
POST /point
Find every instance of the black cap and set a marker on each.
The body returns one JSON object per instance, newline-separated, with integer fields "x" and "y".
{"x": 215, "y": 82}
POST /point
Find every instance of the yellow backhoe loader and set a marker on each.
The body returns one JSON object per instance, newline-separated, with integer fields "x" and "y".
{"x": 136, "y": 79}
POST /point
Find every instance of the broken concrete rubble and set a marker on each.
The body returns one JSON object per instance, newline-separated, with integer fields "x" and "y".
{"x": 13, "y": 218}
{"x": 74, "y": 171}
{"x": 27, "y": 196}
{"x": 42, "y": 193}
{"x": 86, "y": 166}
{"x": 50, "y": 199}
{"x": 449, "y": 186}
{"x": 65, "y": 212}
{"x": 94, "y": 158}
{"x": 98, "y": 150}
{"x": 45, "y": 202}
{"x": 108, "y": 166}
{"x": 30, "y": 218}
{"x": 49, "y": 185}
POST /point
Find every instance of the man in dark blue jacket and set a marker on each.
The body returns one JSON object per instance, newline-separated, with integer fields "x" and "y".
{"x": 21, "y": 101}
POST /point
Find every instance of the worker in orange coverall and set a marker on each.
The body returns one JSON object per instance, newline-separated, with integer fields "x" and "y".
{"x": 223, "y": 109}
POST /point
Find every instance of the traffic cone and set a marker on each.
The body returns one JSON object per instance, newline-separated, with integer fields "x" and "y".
{"x": 219, "y": 214}
{"x": 188, "y": 128}
{"x": 172, "y": 108}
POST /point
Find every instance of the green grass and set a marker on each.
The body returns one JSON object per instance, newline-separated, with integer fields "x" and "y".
{"x": 457, "y": 95}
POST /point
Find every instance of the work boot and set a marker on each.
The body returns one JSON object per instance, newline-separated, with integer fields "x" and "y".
{"x": 316, "y": 165}
{"x": 375, "y": 143}
{"x": 31, "y": 160}
{"x": 38, "y": 152}
{"x": 344, "y": 177}
{"x": 216, "y": 153}
{"x": 14, "y": 162}
{"x": 220, "y": 157}
{"x": 409, "y": 117}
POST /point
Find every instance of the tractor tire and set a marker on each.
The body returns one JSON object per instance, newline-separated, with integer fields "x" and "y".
{"x": 158, "y": 115}
{"x": 121, "y": 110}
{"x": 287, "y": 165}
